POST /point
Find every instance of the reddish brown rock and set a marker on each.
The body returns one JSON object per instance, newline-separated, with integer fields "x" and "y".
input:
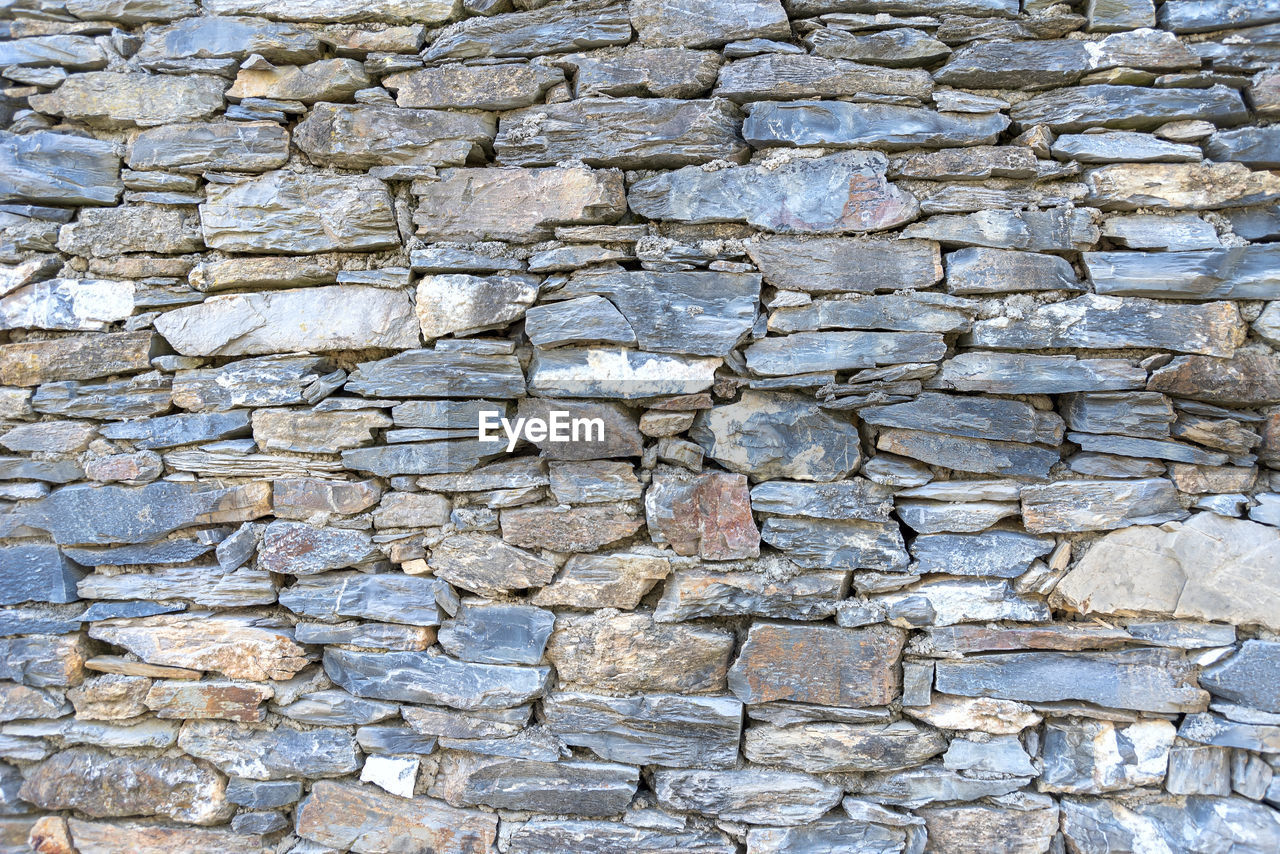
{"x": 110, "y": 697}
{"x": 232, "y": 646}
{"x": 49, "y": 835}
{"x": 126, "y": 667}
{"x": 822, "y": 664}
{"x": 223, "y": 700}
{"x": 1249, "y": 378}
{"x": 630, "y": 652}
{"x": 1269, "y": 451}
{"x": 304, "y": 497}
{"x": 365, "y": 819}
{"x": 569, "y": 529}
{"x": 708, "y": 516}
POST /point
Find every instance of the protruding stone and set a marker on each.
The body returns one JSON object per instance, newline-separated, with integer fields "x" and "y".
{"x": 430, "y": 677}
{"x": 363, "y": 136}
{"x": 112, "y": 99}
{"x": 752, "y": 796}
{"x": 844, "y": 124}
{"x": 827, "y": 665}
{"x": 58, "y": 169}
{"x": 1092, "y": 757}
{"x": 1128, "y": 107}
{"x": 709, "y": 516}
{"x": 231, "y": 645}
{"x": 574, "y": 787}
{"x": 845, "y": 264}
{"x": 389, "y": 597}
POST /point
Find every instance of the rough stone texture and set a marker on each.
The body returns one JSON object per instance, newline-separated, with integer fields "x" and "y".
{"x": 827, "y": 665}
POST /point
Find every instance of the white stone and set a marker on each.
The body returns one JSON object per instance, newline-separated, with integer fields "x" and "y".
{"x": 395, "y": 774}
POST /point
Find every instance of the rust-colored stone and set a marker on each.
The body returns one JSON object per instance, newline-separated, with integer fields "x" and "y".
{"x": 708, "y": 516}
{"x": 827, "y": 665}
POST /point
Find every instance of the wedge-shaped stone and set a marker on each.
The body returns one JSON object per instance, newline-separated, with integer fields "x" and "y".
{"x": 984, "y": 456}
{"x": 1175, "y": 822}
{"x": 695, "y": 593}
{"x": 1058, "y": 230}
{"x": 617, "y": 373}
{"x": 709, "y": 516}
{"x": 917, "y": 312}
{"x": 97, "y": 784}
{"x": 572, "y": 787}
{"x": 112, "y": 99}
{"x": 58, "y": 169}
{"x": 753, "y": 796}
{"x": 324, "y": 80}
{"x": 218, "y": 44}
{"x": 842, "y": 192}
{"x": 845, "y": 264}
{"x": 289, "y": 212}
{"x": 330, "y": 11}
{"x": 233, "y": 646}
{"x": 630, "y": 652}
{"x": 548, "y": 836}
{"x": 1209, "y": 567}
{"x": 440, "y": 373}
{"x": 844, "y": 124}
{"x": 1092, "y": 757}
{"x": 484, "y": 564}
{"x": 806, "y": 352}
{"x": 987, "y": 271}
{"x": 1128, "y": 107}
{"x": 837, "y": 544}
{"x": 975, "y": 417}
{"x": 717, "y": 310}
{"x": 361, "y": 136}
{"x": 82, "y": 514}
{"x": 434, "y": 678}
{"x": 1179, "y": 186}
{"x": 198, "y": 147}
{"x": 1103, "y": 322}
{"x": 363, "y": 818}
{"x": 610, "y": 580}
{"x": 390, "y": 597}
{"x": 630, "y": 133}
{"x": 669, "y": 730}
{"x": 826, "y": 665}
{"x": 558, "y": 28}
{"x": 1099, "y": 505}
{"x": 459, "y": 303}
{"x": 336, "y": 317}
{"x": 1025, "y": 373}
{"x": 1127, "y": 446}
{"x": 836, "y": 747}
{"x": 1148, "y": 680}
{"x": 473, "y": 87}
{"x": 747, "y": 437}
{"x": 522, "y": 205}
{"x": 774, "y": 76}
{"x": 1240, "y": 272}
{"x": 270, "y": 754}
{"x": 708, "y": 23}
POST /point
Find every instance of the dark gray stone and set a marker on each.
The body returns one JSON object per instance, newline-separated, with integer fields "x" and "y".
{"x": 1127, "y": 446}
{"x": 1058, "y": 230}
{"x": 994, "y": 271}
{"x": 1026, "y": 373}
{"x": 172, "y": 430}
{"x": 826, "y": 544}
{"x": 1123, "y": 147}
{"x": 571, "y": 787}
{"x": 586, "y": 320}
{"x": 263, "y": 795}
{"x": 1251, "y": 677}
{"x": 1001, "y": 554}
{"x": 1099, "y": 505}
{"x": 979, "y": 418}
{"x": 428, "y": 677}
{"x": 392, "y": 598}
{"x": 554, "y": 29}
{"x": 553, "y": 836}
{"x": 843, "y": 264}
{"x": 1025, "y": 65}
{"x": 842, "y": 124}
{"x": 804, "y": 352}
{"x": 275, "y": 754}
{"x": 1141, "y": 413}
{"x": 1197, "y": 16}
{"x": 336, "y": 708}
{"x": 239, "y": 146}
{"x": 58, "y": 169}
{"x": 1239, "y": 272}
{"x": 218, "y": 44}
{"x": 1018, "y": 459}
{"x": 439, "y": 373}
{"x": 1128, "y": 107}
{"x": 917, "y": 312}
{"x": 497, "y": 633}
{"x": 695, "y": 593}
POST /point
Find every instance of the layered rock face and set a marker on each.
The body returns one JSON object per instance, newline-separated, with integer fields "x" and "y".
{"x": 916, "y": 483}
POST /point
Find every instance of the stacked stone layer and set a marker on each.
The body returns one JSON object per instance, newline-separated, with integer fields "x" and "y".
{"x": 937, "y": 504}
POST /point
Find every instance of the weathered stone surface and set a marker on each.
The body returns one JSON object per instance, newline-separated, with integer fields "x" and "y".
{"x": 1170, "y": 821}
{"x": 827, "y": 665}
{"x": 325, "y": 11}
{"x": 843, "y": 124}
{"x": 497, "y": 633}
{"x": 516, "y": 204}
{"x": 1248, "y": 677}
{"x": 668, "y": 730}
{"x": 1193, "y": 16}
{"x": 825, "y": 544}
{"x": 100, "y": 785}
{"x": 1127, "y": 107}
{"x": 569, "y": 786}
{"x": 659, "y": 72}
{"x": 709, "y": 516}
{"x": 553, "y": 29}
{"x": 199, "y": 584}
{"x": 430, "y": 677}
{"x": 1023, "y": 373}
{"x": 111, "y": 99}
{"x": 618, "y": 373}
{"x": 1062, "y": 229}
{"x": 196, "y": 147}
{"x": 577, "y": 529}
{"x": 706, "y": 23}
{"x": 316, "y": 432}
{"x": 105, "y": 837}
{"x": 325, "y": 80}
{"x": 1153, "y": 680}
{"x": 752, "y": 796}
{"x": 631, "y": 133}
{"x": 263, "y": 754}
{"x": 1209, "y": 567}
{"x": 268, "y": 381}
{"x": 1002, "y": 554}
{"x": 835, "y": 747}
{"x": 982, "y": 271}
{"x": 695, "y": 593}
{"x": 224, "y": 700}
{"x": 777, "y": 75}
{"x": 1144, "y": 414}
{"x": 805, "y": 352}
{"x": 58, "y": 169}
{"x": 295, "y": 548}
{"x": 389, "y": 597}
{"x": 1249, "y": 378}
{"x": 102, "y": 232}
{"x": 969, "y": 454}
{"x": 630, "y": 652}
{"x": 585, "y": 320}
{"x": 1190, "y": 186}
{"x": 339, "y": 317}
{"x": 362, "y": 136}
{"x": 1099, "y": 505}
{"x": 915, "y": 312}
{"x": 216, "y": 44}
{"x": 546, "y": 836}
{"x": 307, "y": 213}
{"x": 74, "y": 304}
{"x": 465, "y": 304}
{"x": 37, "y": 572}
{"x": 984, "y": 714}
{"x": 1026, "y": 825}
{"x": 845, "y": 264}
{"x": 856, "y": 196}
{"x": 439, "y": 373}
{"x": 611, "y": 580}
{"x": 1092, "y": 757}
{"x": 817, "y": 446}
{"x": 231, "y": 645}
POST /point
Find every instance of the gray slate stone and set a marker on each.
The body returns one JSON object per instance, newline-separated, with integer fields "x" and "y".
{"x": 550, "y": 836}
{"x": 112, "y": 99}
{"x": 429, "y": 677}
{"x": 1144, "y": 414}
{"x": 804, "y": 352}
{"x": 1123, "y": 146}
{"x": 1251, "y": 677}
{"x": 963, "y": 453}
{"x": 58, "y": 169}
{"x": 917, "y": 312}
{"x": 497, "y": 633}
{"x": 270, "y": 754}
{"x": 659, "y": 72}
{"x": 585, "y": 320}
{"x": 843, "y": 124}
{"x": 837, "y": 747}
{"x": 847, "y": 544}
{"x": 708, "y": 23}
{"x": 752, "y": 796}
{"x": 363, "y": 136}
{"x": 1026, "y": 373}
{"x": 267, "y": 381}
{"x": 391, "y": 597}
{"x": 1058, "y": 230}
{"x": 571, "y": 787}
{"x": 552, "y": 29}
{"x": 617, "y": 373}
{"x": 439, "y": 373}
{"x": 197, "y": 147}
{"x": 1000, "y": 554}
{"x": 169, "y": 431}
{"x": 1099, "y": 505}
{"x": 845, "y": 264}
{"x": 1239, "y": 272}
{"x": 217, "y": 45}
{"x": 975, "y": 417}
{"x": 987, "y": 271}
{"x": 1128, "y": 107}
{"x": 695, "y": 593}
{"x": 775, "y": 76}
{"x": 1177, "y": 823}
{"x": 37, "y": 572}
{"x": 1024, "y": 65}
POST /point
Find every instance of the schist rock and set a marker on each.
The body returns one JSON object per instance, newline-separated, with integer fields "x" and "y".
{"x": 708, "y": 23}
{"x": 838, "y": 747}
{"x": 918, "y": 312}
{"x": 827, "y": 665}
{"x": 1061, "y": 229}
{"x": 669, "y": 730}
{"x": 497, "y": 633}
{"x": 629, "y": 133}
{"x": 709, "y": 515}
{"x": 892, "y": 48}
{"x": 846, "y": 544}
{"x": 554, "y": 29}
{"x": 264, "y": 754}
{"x": 103, "y": 232}
{"x": 984, "y": 271}
{"x": 58, "y": 169}
{"x": 1124, "y": 146}
{"x": 565, "y": 787}
{"x": 1243, "y": 272}
{"x": 197, "y": 146}
{"x": 323, "y": 80}
{"x": 1026, "y": 373}
{"x": 546, "y": 836}
{"x": 231, "y": 645}
{"x": 111, "y": 99}
{"x": 1000, "y": 554}
{"x": 305, "y": 213}
{"x": 845, "y": 264}
{"x": 459, "y": 303}
{"x": 1085, "y": 756}
{"x": 431, "y": 677}
{"x": 1128, "y": 107}
{"x": 1099, "y": 505}
{"x": 854, "y": 196}
{"x": 439, "y": 373}
{"x": 390, "y": 136}
{"x": 521, "y": 205}
{"x": 575, "y": 372}
{"x": 806, "y": 352}
{"x": 754, "y": 796}
{"x": 1248, "y": 677}
{"x": 296, "y": 548}
{"x": 494, "y": 87}
{"x": 964, "y": 453}
{"x": 694, "y": 593}
{"x": 37, "y": 572}
{"x": 1179, "y": 186}
{"x": 364, "y": 818}
{"x": 844, "y": 124}
{"x": 213, "y": 44}
{"x": 772, "y": 76}
{"x": 1210, "y": 567}
{"x": 388, "y": 597}
{"x": 979, "y": 418}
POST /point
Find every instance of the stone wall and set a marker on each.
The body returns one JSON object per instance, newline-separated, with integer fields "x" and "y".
{"x": 935, "y": 507}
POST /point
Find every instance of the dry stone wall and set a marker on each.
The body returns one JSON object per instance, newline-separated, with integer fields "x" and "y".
{"x": 925, "y": 356}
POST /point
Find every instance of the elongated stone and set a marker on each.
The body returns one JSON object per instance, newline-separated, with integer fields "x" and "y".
{"x": 1031, "y": 65}
{"x": 963, "y": 453}
{"x": 439, "y": 373}
{"x": 328, "y": 11}
{"x": 389, "y": 597}
{"x": 774, "y": 76}
{"x": 1131, "y": 447}
{"x": 753, "y": 796}
{"x": 296, "y": 548}
{"x": 1194, "y": 16}
{"x": 112, "y": 99}
{"x": 316, "y": 432}
{"x": 983, "y": 271}
{"x": 1101, "y": 322}
{"x": 845, "y": 264}
{"x": 695, "y": 593}
{"x": 855, "y": 196}
{"x": 577, "y": 529}
{"x": 611, "y": 580}
{"x": 893, "y": 48}
{"x": 921, "y": 312}
{"x": 828, "y": 665}
{"x": 569, "y": 786}
{"x": 390, "y": 136}
{"x": 1099, "y": 505}
{"x": 97, "y": 784}
{"x": 1248, "y": 677}
{"x": 836, "y": 747}
{"x": 201, "y": 585}
{"x": 180, "y": 698}
{"x": 231, "y": 645}
{"x": 843, "y": 124}
{"x": 104, "y": 232}
{"x": 669, "y": 730}
{"x": 1025, "y": 373}
{"x": 1179, "y": 186}
{"x": 100, "y": 837}
{"x": 979, "y": 418}
{"x": 1128, "y": 107}
{"x": 362, "y": 818}
{"x": 496, "y": 87}
{"x": 430, "y": 677}
{"x": 1028, "y": 827}
{"x": 1002, "y": 554}
{"x": 1190, "y": 821}
{"x": 631, "y": 133}
{"x": 1145, "y": 414}
{"x": 485, "y": 564}
{"x": 706, "y": 23}
{"x": 630, "y": 652}
{"x": 216, "y": 44}
{"x": 803, "y": 352}
{"x": 497, "y": 634}
{"x": 1063, "y": 229}
{"x": 547, "y": 836}
{"x": 197, "y": 147}
{"x": 824, "y": 544}
{"x": 617, "y": 373}
{"x": 1152, "y": 680}
{"x": 1244, "y": 272}
{"x": 947, "y": 601}
{"x": 265, "y": 754}
{"x": 58, "y": 169}
{"x": 307, "y": 213}
{"x": 553, "y": 29}
{"x": 323, "y": 80}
